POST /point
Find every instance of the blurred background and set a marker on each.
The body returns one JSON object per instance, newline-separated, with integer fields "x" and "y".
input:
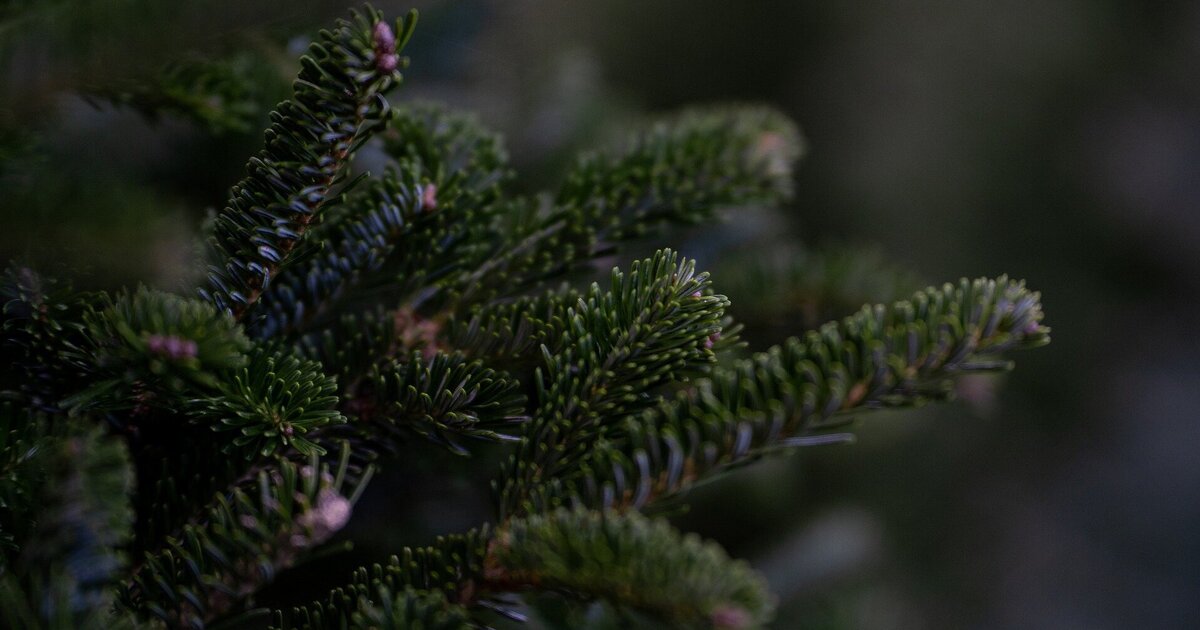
{"x": 1053, "y": 140}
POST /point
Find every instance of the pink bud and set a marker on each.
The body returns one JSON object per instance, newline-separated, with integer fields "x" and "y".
{"x": 171, "y": 346}
{"x": 429, "y": 198}
{"x": 730, "y": 618}
{"x": 384, "y": 39}
{"x": 386, "y": 60}
{"x": 156, "y": 344}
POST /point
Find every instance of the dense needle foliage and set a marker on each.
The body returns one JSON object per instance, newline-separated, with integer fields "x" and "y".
{"x": 163, "y": 457}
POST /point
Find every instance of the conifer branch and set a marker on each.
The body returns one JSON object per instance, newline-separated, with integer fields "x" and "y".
{"x": 386, "y": 219}
{"x": 393, "y": 312}
{"x": 407, "y": 609}
{"x": 145, "y": 349}
{"x": 653, "y": 326}
{"x": 440, "y": 398}
{"x": 356, "y": 343}
{"x": 225, "y": 95}
{"x": 39, "y": 319}
{"x": 67, "y": 558}
{"x": 264, "y": 526}
{"x": 451, "y": 570}
{"x": 900, "y": 355}
{"x": 337, "y": 104}
{"x": 680, "y": 171}
{"x": 260, "y": 412}
{"x": 452, "y": 146}
{"x": 271, "y": 404}
{"x": 395, "y": 388}
{"x": 513, "y": 332}
{"x": 395, "y": 241}
{"x": 414, "y": 227}
{"x": 686, "y": 167}
{"x": 629, "y": 560}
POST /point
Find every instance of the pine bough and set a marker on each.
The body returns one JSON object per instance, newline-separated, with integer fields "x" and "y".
{"x": 163, "y": 457}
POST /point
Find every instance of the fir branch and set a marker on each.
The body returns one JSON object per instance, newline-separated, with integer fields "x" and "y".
{"x": 654, "y": 325}
{"x": 397, "y": 385}
{"x": 225, "y": 95}
{"x": 357, "y": 342}
{"x": 629, "y": 560}
{"x": 265, "y": 525}
{"x": 150, "y": 349}
{"x": 415, "y": 290}
{"x": 680, "y": 171}
{"x": 272, "y": 404}
{"x": 39, "y": 321}
{"x": 686, "y": 167}
{"x": 373, "y": 225}
{"x": 70, "y": 554}
{"x": 404, "y": 610}
{"x": 900, "y": 355}
{"x": 513, "y": 332}
{"x": 23, "y": 445}
{"x": 407, "y": 230}
{"x": 453, "y": 146}
{"x": 420, "y": 223}
{"x": 337, "y": 104}
{"x": 440, "y": 398}
{"x": 451, "y": 568}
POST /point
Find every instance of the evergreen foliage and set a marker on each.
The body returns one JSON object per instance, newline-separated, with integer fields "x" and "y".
{"x": 163, "y": 458}
{"x": 222, "y": 95}
{"x": 65, "y": 523}
{"x": 632, "y": 559}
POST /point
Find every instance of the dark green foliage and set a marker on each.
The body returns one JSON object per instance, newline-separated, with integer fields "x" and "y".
{"x": 628, "y": 558}
{"x": 267, "y": 524}
{"x": 514, "y": 331}
{"x": 21, "y": 443}
{"x": 451, "y": 567}
{"x": 337, "y": 105}
{"x": 443, "y": 397}
{"x": 346, "y": 327}
{"x": 272, "y": 404}
{"x": 380, "y": 240}
{"x": 653, "y": 326}
{"x": 685, "y": 167}
{"x": 372, "y": 227}
{"x": 416, "y": 226}
{"x": 222, "y": 96}
{"x": 356, "y": 343}
{"x": 882, "y": 356}
{"x": 410, "y": 609}
{"x": 453, "y": 147}
{"x": 679, "y": 172}
{"x": 146, "y": 347}
{"x": 65, "y": 555}
{"x": 42, "y": 332}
